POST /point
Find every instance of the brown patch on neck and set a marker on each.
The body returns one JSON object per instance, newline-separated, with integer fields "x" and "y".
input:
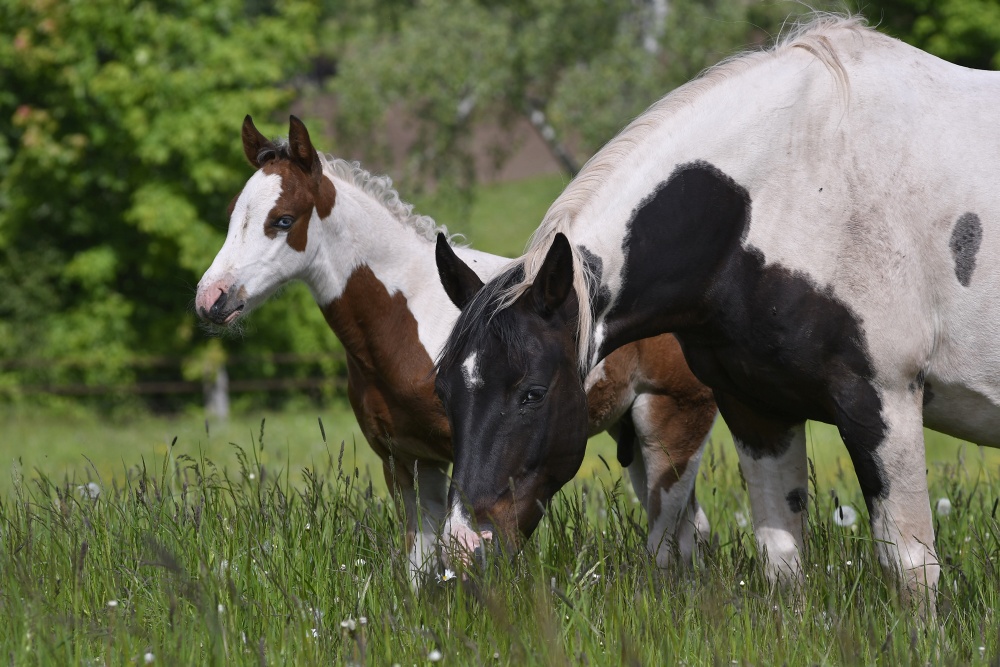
{"x": 390, "y": 374}
{"x": 301, "y": 192}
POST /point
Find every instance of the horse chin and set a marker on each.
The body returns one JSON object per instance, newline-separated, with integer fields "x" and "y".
{"x": 233, "y": 315}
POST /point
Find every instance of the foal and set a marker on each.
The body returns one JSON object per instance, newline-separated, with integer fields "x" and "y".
{"x": 370, "y": 264}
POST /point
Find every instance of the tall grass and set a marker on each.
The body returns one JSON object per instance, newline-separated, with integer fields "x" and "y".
{"x": 190, "y": 563}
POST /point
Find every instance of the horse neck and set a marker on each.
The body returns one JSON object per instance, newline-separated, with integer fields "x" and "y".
{"x": 375, "y": 278}
{"x": 720, "y": 128}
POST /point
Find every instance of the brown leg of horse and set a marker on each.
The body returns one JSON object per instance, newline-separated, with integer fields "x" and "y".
{"x": 669, "y": 438}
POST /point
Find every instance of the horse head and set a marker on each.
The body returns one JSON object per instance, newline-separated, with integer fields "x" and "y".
{"x": 510, "y": 384}
{"x": 267, "y": 243}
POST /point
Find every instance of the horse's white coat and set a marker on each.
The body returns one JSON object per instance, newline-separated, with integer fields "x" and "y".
{"x": 859, "y": 154}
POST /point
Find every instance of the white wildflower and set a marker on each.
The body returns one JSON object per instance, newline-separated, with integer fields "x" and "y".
{"x": 434, "y": 656}
{"x": 314, "y": 633}
{"x": 446, "y": 576}
{"x": 359, "y": 562}
{"x": 741, "y": 519}
{"x": 349, "y": 624}
{"x": 148, "y": 658}
{"x": 220, "y": 608}
{"x": 845, "y": 516}
{"x": 742, "y": 583}
{"x": 252, "y": 476}
{"x": 89, "y": 490}
{"x": 942, "y": 507}
{"x": 112, "y": 603}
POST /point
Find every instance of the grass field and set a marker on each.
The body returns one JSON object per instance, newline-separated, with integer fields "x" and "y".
{"x": 247, "y": 543}
{"x": 184, "y": 562}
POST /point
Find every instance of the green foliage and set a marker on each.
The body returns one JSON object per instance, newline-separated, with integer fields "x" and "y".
{"x": 579, "y": 69}
{"x": 119, "y": 151}
{"x": 966, "y": 32}
{"x": 195, "y": 565}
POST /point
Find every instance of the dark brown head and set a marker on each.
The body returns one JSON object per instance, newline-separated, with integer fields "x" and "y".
{"x": 515, "y": 400}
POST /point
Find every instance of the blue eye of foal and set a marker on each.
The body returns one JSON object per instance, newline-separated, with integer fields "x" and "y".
{"x": 284, "y": 222}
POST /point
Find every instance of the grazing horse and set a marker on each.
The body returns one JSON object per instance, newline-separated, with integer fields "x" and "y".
{"x": 369, "y": 262}
{"x": 816, "y": 224}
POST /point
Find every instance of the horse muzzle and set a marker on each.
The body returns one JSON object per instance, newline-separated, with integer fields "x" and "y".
{"x": 225, "y": 308}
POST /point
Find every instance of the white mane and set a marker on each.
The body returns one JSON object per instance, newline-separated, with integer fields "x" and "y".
{"x": 812, "y": 36}
{"x": 380, "y": 188}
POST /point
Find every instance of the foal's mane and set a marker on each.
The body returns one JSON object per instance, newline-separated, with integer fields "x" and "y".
{"x": 380, "y": 189}
{"x": 377, "y": 187}
{"x": 814, "y": 36}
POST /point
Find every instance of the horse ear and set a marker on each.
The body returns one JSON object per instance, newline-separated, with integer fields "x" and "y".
{"x": 301, "y": 148}
{"x": 555, "y": 278}
{"x": 459, "y": 281}
{"x": 255, "y": 144}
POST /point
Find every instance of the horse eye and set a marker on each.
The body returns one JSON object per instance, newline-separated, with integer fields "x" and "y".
{"x": 284, "y": 222}
{"x": 533, "y": 396}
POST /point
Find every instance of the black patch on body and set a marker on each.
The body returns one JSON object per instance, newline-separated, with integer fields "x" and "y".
{"x": 966, "y": 238}
{"x": 600, "y": 294}
{"x": 775, "y": 347}
{"x": 797, "y": 500}
{"x": 625, "y": 439}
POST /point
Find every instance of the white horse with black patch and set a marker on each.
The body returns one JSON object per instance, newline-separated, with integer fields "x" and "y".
{"x": 819, "y": 225}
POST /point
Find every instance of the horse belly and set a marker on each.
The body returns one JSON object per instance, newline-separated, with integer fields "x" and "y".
{"x": 961, "y": 412}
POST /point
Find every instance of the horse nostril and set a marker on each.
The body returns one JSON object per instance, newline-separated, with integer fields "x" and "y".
{"x": 218, "y": 306}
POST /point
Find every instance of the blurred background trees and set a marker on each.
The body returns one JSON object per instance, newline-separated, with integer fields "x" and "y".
{"x": 119, "y": 140}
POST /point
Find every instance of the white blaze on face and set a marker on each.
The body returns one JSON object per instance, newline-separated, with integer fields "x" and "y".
{"x": 460, "y": 538}
{"x": 470, "y": 371}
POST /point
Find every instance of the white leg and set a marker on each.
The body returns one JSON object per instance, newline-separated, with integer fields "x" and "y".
{"x": 892, "y": 472}
{"x": 423, "y": 516}
{"x": 777, "y": 480}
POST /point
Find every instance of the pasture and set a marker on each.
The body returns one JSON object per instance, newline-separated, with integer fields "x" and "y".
{"x": 281, "y": 548}
{"x": 263, "y": 543}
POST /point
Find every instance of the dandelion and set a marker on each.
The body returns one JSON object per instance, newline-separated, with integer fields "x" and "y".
{"x": 446, "y": 576}
{"x": 845, "y": 516}
{"x": 741, "y": 519}
{"x": 112, "y": 603}
{"x": 942, "y": 507}
{"x": 434, "y": 656}
{"x": 148, "y": 658}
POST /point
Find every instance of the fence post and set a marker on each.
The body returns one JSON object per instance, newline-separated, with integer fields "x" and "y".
{"x": 217, "y": 393}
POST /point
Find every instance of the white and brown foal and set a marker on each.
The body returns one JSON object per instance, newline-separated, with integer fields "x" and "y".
{"x": 370, "y": 264}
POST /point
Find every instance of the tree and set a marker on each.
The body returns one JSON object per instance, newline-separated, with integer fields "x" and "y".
{"x": 119, "y": 152}
{"x": 965, "y": 32}
{"x": 578, "y": 70}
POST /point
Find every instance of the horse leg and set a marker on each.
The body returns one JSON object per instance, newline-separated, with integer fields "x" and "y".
{"x": 773, "y": 460}
{"x": 670, "y": 439}
{"x": 887, "y": 449}
{"x": 422, "y": 488}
